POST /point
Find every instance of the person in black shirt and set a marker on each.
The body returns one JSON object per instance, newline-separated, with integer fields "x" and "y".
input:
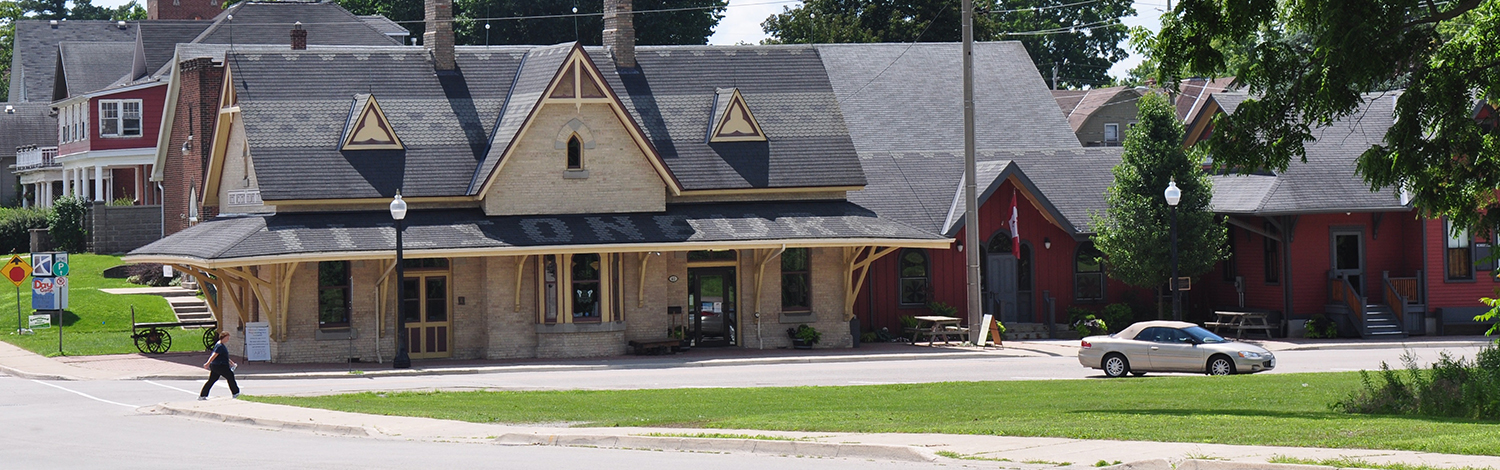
{"x": 219, "y": 365}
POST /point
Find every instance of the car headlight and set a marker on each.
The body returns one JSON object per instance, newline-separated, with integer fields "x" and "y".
{"x": 1250, "y": 355}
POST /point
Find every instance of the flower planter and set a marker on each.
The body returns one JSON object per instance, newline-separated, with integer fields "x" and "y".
{"x": 798, "y": 343}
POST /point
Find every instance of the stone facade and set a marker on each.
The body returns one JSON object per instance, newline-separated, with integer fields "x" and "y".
{"x": 489, "y": 323}
{"x": 118, "y": 229}
{"x": 616, "y": 175}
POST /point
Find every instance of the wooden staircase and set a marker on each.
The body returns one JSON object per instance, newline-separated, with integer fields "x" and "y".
{"x": 1381, "y": 322}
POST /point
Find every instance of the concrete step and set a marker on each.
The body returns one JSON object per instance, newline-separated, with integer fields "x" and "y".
{"x": 169, "y": 291}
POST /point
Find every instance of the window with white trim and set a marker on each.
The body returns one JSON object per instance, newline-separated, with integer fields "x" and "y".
{"x": 119, "y": 118}
{"x": 1112, "y": 133}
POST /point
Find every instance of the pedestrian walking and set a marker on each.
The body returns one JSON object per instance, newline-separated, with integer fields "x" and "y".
{"x": 219, "y": 365}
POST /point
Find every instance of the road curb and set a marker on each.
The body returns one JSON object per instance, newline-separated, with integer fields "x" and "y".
{"x": 11, "y": 371}
{"x": 1424, "y": 344}
{"x": 698, "y": 444}
{"x": 338, "y": 429}
{"x": 1194, "y": 464}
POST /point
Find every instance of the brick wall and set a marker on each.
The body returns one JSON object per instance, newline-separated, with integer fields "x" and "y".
{"x": 197, "y": 107}
{"x": 118, "y": 229}
{"x": 183, "y": 9}
{"x": 535, "y": 179}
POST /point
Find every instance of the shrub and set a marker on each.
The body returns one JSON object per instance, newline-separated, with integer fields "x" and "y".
{"x": 65, "y": 223}
{"x": 805, "y": 333}
{"x": 1450, "y": 388}
{"x": 942, "y": 309}
{"x": 149, "y": 274}
{"x": 1319, "y": 326}
{"x": 15, "y": 228}
{"x": 122, "y": 201}
{"x": 1118, "y": 315}
{"x": 908, "y": 321}
{"x": 1085, "y": 322}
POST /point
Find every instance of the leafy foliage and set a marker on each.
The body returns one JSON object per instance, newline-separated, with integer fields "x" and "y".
{"x": 1312, "y": 62}
{"x": 1135, "y": 231}
{"x": 1319, "y": 326}
{"x": 15, "y": 228}
{"x": 1082, "y": 40}
{"x": 1450, "y": 388}
{"x": 65, "y": 224}
{"x": 805, "y": 333}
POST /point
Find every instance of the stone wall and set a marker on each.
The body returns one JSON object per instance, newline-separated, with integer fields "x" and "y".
{"x": 118, "y": 229}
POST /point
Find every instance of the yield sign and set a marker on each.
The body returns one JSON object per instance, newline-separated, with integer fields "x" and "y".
{"x": 16, "y": 270}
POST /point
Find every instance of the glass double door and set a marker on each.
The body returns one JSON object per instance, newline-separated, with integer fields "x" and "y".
{"x": 711, "y": 297}
{"x": 425, "y": 309}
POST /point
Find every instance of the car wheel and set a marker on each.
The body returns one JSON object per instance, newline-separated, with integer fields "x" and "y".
{"x": 1115, "y": 365}
{"x": 1220, "y": 365}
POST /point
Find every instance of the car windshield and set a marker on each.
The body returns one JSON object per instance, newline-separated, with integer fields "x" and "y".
{"x": 1203, "y": 336}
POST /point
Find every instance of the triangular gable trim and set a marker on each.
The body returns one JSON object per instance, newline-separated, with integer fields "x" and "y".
{"x": 733, "y": 121}
{"x": 368, "y": 128}
{"x": 1012, "y": 172}
{"x": 577, "y": 57}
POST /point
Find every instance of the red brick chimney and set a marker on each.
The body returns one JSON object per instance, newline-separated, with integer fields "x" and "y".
{"x": 183, "y": 9}
{"x": 438, "y": 38}
{"x": 619, "y": 32}
{"x": 299, "y": 37}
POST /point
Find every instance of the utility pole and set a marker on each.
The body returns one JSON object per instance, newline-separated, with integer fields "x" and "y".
{"x": 971, "y": 192}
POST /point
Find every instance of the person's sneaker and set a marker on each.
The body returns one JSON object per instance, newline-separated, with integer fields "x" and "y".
{"x": 236, "y": 395}
{"x": 202, "y": 398}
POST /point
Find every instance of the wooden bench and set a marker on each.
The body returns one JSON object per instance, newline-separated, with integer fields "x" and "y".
{"x": 654, "y": 347}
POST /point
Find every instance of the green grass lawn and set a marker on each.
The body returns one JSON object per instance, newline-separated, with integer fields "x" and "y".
{"x": 96, "y": 322}
{"x": 1266, "y": 409}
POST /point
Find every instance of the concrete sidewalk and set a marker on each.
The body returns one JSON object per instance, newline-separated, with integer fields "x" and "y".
{"x": 1049, "y": 452}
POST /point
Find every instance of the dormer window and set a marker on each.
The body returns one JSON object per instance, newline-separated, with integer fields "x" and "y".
{"x": 119, "y": 118}
{"x": 575, "y": 153}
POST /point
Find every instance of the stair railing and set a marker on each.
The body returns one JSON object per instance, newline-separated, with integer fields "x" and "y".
{"x": 1395, "y": 301}
{"x": 1341, "y": 291}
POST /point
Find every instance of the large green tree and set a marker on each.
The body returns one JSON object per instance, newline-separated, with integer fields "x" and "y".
{"x": 1134, "y": 233}
{"x": 554, "y": 21}
{"x": 1312, "y": 62}
{"x": 1080, "y": 40}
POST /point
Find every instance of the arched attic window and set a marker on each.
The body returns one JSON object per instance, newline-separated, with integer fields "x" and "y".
{"x": 575, "y": 153}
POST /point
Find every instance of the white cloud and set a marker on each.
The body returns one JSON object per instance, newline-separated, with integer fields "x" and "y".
{"x": 742, "y": 20}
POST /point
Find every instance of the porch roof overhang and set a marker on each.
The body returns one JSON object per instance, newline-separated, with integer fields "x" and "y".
{"x": 323, "y": 236}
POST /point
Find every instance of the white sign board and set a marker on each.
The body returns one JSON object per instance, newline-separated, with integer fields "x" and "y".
{"x": 258, "y": 341}
{"x": 984, "y": 330}
{"x": 41, "y": 265}
{"x": 39, "y": 321}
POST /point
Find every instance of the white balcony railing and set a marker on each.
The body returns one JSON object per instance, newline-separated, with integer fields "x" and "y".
{"x": 32, "y": 157}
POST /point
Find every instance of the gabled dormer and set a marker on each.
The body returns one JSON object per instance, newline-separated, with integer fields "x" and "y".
{"x": 368, "y": 128}
{"x": 732, "y": 119}
{"x": 566, "y": 144}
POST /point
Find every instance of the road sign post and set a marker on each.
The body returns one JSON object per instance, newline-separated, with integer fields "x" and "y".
{"x": 49, "y": 286}
{"x": 16, "y": 270}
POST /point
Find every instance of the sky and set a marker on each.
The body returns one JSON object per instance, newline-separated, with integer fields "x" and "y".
{"x": 742, "y": 20}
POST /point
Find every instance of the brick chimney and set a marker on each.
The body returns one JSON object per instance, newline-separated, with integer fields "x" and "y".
{"x": 183, "y": 9}
{"x": 438, "y": 38}
{"x": 299, "y": 37}
{"x": 619, "y": 32}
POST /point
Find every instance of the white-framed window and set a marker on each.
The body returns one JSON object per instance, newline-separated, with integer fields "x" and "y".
{"x": 119, "y": 118}
{"x": 1111, "y": 133}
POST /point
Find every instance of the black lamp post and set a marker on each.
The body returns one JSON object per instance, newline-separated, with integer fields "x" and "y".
{"x": 403, "y": 358}
{"x": 1174, "y": 195}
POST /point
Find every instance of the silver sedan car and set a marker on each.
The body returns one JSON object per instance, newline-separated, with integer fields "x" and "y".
{"x": 1171, "y": 346}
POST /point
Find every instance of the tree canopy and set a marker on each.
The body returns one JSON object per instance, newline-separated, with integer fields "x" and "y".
{"x": 1134, "y": 233}
{"x": 1315, "y": 61}
{"x": 1081, "y": 39}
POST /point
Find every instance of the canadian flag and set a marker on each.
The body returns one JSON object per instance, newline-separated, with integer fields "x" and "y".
{"x": 1015, "y": 231}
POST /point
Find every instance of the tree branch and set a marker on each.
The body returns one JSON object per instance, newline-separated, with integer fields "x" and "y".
{"x": 1436, "y": 17}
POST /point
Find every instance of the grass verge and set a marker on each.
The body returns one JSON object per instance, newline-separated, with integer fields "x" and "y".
{"x": 96, "y": 323}
{"x": 1266, "y": 409}
{"x": 1351, "y": 462}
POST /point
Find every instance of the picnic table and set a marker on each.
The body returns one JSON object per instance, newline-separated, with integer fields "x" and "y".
{"x": 934, "y": 326}
{"x": 1240, "y": 322}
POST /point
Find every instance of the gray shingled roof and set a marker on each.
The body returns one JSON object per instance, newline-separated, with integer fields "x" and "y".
{"x": 787, "y": 90}
{"x": 541, "y": 64}
{"x": 1094, "y": 99}
{"x": 914, "y": 103}
{"x": 226, "y": 239}
{"x": 1327, "y": 182}
{"x": 159, "y": 39}
{"x": 34, "y": 56}
{"x": 296, "y": 103}
{"x": 385, "y": 25}
{"x": 91, "y": 66}
{"x": 271, "y": 23}
{"x": 26, "y": 124}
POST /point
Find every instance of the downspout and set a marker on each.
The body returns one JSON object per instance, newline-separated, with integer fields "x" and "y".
{"x": 760, "y": 275}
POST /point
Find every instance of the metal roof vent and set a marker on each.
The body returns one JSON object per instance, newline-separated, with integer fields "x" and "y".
{"x": 121, "y": 24}
{"x": 53, "y": 23}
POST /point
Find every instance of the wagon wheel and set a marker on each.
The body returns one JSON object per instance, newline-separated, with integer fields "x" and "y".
{"x": 158, "y": 341}
{"x": 210, "y": 336}
{"x": 140, "y": 342}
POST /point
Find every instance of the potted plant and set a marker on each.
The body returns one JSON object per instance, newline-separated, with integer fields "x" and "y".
{"x": 803, "y": 336}
{"x": 680, "y": 333}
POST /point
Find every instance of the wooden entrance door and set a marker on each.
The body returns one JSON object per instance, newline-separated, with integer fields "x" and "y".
{"x": 426, "y": 307}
